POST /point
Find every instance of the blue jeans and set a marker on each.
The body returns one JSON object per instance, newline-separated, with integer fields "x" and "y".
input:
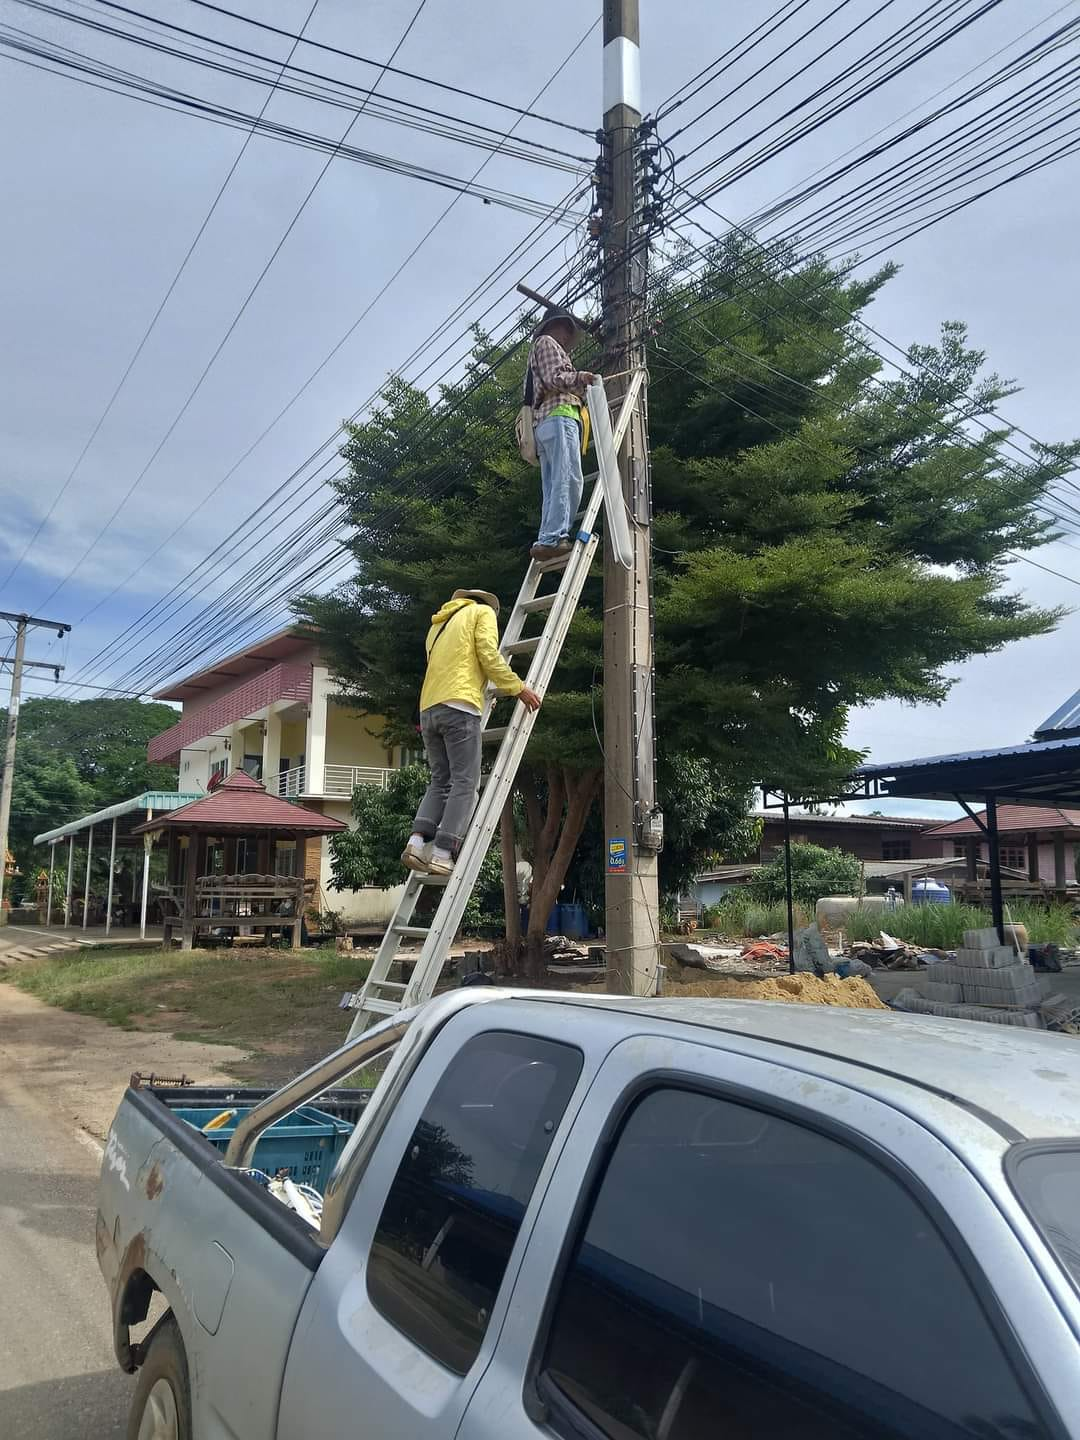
{"x": 558, "y": 444}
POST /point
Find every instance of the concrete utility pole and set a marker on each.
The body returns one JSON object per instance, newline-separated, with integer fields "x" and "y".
{"x": 632, "y": 821}
{"x": 19, "y": 663}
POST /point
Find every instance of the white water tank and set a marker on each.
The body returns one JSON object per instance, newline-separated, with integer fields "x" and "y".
{"x": 832, "y": 912}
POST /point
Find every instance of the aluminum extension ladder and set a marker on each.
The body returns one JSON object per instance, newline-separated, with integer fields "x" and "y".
{"x": 380, "y": 995}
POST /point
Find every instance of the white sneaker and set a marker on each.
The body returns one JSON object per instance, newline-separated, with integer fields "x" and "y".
{"x": 440, "y": 865}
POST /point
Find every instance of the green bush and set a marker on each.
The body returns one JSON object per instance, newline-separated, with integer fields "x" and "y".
{"x": 815, "y": 871}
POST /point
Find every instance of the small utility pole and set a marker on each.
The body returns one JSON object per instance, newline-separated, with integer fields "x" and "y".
{"x": 631, "y": 817}
{"x": 22, "y": 623}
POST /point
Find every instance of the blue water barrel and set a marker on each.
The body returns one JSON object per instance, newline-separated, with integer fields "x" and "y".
{"x": 569, "y": 920}
{"x": 930, "y": 892}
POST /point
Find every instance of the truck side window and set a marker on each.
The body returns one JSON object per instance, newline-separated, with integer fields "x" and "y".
{"x": 462, "y": 1188}
{"x": 741, "y": 1275}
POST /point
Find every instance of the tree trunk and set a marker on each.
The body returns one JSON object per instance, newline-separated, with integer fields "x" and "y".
{"x": 509, "y": 871}
{"x": 554, "y": 836}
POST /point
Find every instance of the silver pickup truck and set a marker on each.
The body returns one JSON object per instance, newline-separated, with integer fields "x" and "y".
{"x": 665, "y": 1219}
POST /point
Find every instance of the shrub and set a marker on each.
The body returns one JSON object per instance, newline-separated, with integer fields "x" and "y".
{"x": 815, "y": 871}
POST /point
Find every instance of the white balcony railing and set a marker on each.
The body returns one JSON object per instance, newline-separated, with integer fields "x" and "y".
{"x": 338, "y": 780}
{"x": 342, "y": 780}
{"x": 291, "y": 783}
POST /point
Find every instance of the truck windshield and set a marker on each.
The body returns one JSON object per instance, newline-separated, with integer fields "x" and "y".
{"x": 1047, "y": 1179}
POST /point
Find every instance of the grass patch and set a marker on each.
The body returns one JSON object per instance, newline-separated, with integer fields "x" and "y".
{"x": 941, "y": 927}
{"x": 738, "y": 915}
{"x": 260, "y": 1000}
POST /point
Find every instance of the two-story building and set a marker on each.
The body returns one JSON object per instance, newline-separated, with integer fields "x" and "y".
{"x": 271, "y": 709}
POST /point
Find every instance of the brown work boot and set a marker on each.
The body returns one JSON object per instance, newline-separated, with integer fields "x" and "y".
{"x": 550, "y": 552}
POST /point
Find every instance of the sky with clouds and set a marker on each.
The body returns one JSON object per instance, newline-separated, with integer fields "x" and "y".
{"x": 104, "y": 195}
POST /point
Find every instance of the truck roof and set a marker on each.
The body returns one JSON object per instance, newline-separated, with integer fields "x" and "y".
{"x": 1028, "y": 1080}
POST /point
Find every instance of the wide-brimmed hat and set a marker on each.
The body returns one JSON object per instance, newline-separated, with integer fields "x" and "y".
{"x": 485, "y": 596}
{"x": 553, "y": 317}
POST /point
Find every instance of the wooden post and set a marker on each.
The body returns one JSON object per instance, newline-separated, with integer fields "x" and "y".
{"x": 1059, "y": 862}
{"x": 1033, "y": 857}
{"x": 511, "y": 902}
{"x": 112, "y": 871}
{"x": 971, "y": 855}
{"x": 188, "y": 925}
{"x": 264, "y": 853}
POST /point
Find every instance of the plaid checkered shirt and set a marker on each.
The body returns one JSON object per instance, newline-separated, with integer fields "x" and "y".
{"x": 555, "y": 381}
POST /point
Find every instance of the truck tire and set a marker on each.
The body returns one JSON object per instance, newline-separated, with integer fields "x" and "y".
{"x": 161, "y": 1408}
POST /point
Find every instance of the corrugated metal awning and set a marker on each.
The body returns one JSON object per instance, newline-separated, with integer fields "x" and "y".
{"x": 155, "y": 801}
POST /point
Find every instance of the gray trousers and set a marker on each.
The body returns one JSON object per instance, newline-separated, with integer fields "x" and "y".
{"x": 452, "y": 746}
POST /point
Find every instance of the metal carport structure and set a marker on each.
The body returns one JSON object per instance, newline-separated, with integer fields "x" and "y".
{"x": 1045, "y": 772}
{"x": 124, "y": 816}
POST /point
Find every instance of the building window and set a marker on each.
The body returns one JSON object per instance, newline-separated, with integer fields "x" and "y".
{"x": 898, "y": 848}
{"x": 754, "y": 1314}
{"x": 285, "y": 857}
{"x": 462, "y": 1188}
{"x": 218, "y": 772}
{"x": 1014, "y": 857}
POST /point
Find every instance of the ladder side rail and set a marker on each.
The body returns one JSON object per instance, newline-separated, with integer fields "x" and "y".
{"x": 493, "y": 797}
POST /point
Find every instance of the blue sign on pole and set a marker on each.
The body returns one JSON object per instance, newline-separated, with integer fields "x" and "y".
{"x": 616, "y": 856}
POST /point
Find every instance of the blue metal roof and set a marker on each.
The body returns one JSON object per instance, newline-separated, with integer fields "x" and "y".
{"x": 1065, "y": 717}
{"x": 1033, "y": 748}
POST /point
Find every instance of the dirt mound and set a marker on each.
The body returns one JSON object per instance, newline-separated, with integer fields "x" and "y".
{"x": 801, "y": 989}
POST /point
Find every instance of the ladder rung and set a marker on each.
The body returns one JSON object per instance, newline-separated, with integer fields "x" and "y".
{"x": 411, "y": 932}
{"x": 560, "y": 562}
{"x": 396, "y": 985}
{"x": 541, "y": 603}
{"x": 494, "y": 732}
{"x": 522, "y": 647}
{"x": 425, "y": 878}
{"x": 380, "y": 1007}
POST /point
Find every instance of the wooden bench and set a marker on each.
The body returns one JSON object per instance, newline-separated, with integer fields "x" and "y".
{"x": 234, "y": 903}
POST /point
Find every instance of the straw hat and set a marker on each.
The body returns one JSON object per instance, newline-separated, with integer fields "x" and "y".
{"x": 484, "y": 596}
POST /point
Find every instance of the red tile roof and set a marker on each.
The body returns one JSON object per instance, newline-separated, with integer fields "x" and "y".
{"x": 279, "y": 682}
{"x": 241, "y": 803}
{"x": 1023, "y": 818}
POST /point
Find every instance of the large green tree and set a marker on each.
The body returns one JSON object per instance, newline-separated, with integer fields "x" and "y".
{"x": 76, "y": 756}
{"x": 825, "y": 536}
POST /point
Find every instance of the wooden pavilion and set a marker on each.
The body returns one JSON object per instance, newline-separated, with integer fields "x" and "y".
{"x": 225, "y": 870}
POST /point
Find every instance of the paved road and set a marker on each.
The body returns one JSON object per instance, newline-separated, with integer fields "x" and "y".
{"x": 58, "y": 1376}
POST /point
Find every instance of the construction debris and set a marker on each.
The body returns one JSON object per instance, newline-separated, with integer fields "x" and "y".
{"x": 912, "y": 1001}
{"x": 984, "y": 981}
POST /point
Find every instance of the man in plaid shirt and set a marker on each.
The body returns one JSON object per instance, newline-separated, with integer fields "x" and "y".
{"x": 558, "y": 391}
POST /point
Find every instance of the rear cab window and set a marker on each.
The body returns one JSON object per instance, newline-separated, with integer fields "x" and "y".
{"x": 462, "y": 1188}
{"x": 1046, "y": 1178}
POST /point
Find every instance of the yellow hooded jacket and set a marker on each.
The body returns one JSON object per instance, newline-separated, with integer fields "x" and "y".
{"x": 467, "y": 654}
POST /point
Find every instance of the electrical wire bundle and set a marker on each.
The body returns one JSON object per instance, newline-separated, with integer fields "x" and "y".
{"x": 918, "y": 186}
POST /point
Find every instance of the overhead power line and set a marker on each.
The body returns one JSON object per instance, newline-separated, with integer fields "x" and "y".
{"x": 387, "y": 69}
{"x": 133, "y": 361}
{"x": 228, "y": 333}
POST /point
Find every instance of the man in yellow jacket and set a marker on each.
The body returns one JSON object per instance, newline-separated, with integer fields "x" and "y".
{"x": 462, "y": 654}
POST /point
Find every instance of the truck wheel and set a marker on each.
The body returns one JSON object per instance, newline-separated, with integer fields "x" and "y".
{"x": 161, "y": 1409}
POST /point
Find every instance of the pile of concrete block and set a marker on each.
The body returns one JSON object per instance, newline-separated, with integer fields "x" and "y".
{"x": 986, "y": 981}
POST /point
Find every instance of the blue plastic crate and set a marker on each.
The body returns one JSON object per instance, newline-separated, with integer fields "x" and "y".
{"x": 305, "y": 1144}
